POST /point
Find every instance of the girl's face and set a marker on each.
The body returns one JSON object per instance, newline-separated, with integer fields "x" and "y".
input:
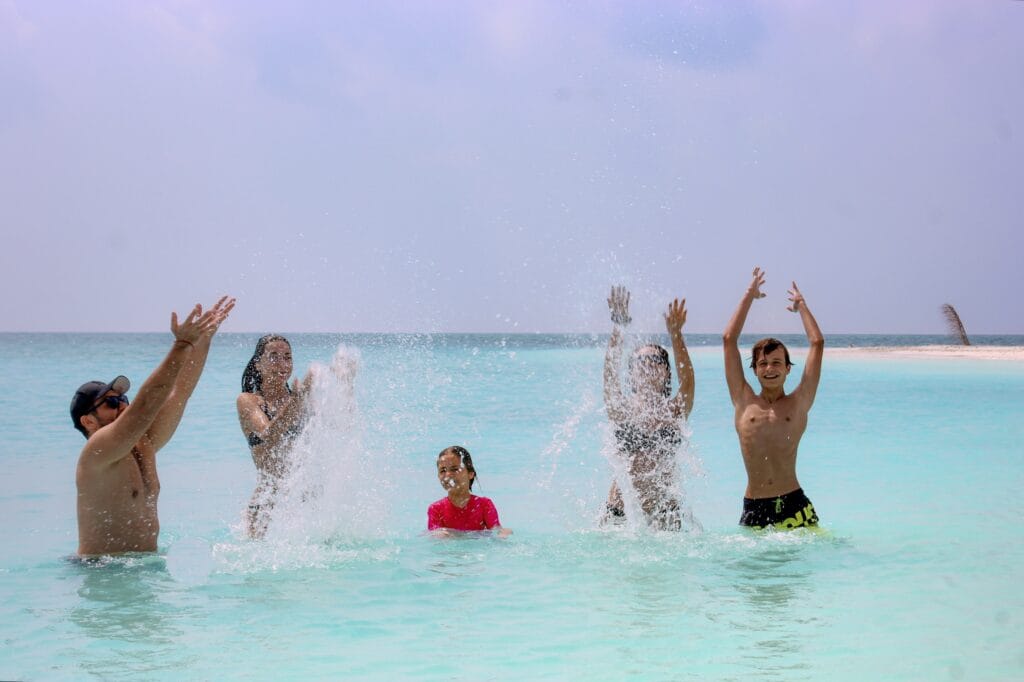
{"x": 275, "y": 365}
{"x": 454, "y": 477}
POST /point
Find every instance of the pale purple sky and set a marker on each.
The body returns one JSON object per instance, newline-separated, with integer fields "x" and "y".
{"x": 468, "y": 166}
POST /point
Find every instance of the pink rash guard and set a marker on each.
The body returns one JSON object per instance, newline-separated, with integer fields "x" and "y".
{"x": 478, "y": 514}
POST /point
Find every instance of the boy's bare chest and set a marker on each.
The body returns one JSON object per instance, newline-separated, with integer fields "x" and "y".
{"x": 781, "y": 419}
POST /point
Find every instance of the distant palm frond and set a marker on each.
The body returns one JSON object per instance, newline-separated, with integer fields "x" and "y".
{"x": 956, "y": 327}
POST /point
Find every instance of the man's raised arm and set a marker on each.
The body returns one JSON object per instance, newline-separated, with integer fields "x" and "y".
{"x": 731, "y": 339}
{"x": 812, "y": 368}
{"x": 116, "y": 440}
{"x": 167, "y": 420}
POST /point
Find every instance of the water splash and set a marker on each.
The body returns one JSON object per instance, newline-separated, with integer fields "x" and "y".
{"x": 330, "y": 489}
{"x": 669, "y": 468}
{"x": 665, "y": 461}
{"x": 333, "y": 496}
{"x": 564, "y": 436}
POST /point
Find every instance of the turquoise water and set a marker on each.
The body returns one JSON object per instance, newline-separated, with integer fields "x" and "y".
{"x": 915, "y": 466}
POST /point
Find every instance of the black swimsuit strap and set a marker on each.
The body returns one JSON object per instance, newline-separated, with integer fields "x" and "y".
{"x": 633, "y": 438}
{"x": 254, "y": 438}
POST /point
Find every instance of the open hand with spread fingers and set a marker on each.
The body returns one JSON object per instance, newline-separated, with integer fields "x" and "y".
{"x": 618, "y": 304}
{"x": 754, "y": 290}
{"x": 198, "y": 324}
{"x": 796, "y": 299}
{"x": 675, "y": 317}
{"x": 219, "y": 312}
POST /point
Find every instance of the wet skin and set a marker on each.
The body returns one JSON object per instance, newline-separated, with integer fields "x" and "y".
{"x": 117, "y": 510}
{"x": 769, "y": 427}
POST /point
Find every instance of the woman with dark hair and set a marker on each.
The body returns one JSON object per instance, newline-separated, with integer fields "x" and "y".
{"x": 646, "y": 419}
{"x": 270, "y": 413}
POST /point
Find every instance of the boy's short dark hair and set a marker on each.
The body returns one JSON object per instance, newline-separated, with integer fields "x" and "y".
{"x": 764, "y": 347}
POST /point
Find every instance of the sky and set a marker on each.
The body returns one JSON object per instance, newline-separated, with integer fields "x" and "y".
{"x": 496, "y": 167}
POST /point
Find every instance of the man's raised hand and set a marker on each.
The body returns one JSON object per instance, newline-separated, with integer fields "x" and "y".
{"x": 198, "y": 323}
{"x": 218, "y": 313}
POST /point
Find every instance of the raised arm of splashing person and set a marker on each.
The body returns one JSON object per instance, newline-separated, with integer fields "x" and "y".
{"x": 738, "y": 386}
{"x": 167, "y": 420}
{"x": 614, "y": 402}
{"x": 682, "y": 403}
{"x": 808, "y": 386}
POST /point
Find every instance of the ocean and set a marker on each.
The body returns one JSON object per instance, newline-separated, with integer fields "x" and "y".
{"x": 913, "y": 464}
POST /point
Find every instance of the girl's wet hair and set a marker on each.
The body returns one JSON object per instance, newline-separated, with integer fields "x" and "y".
{"x": 252, "y": 380}
{"x": 661, "y": 357}
{"x": 464, "y": 458}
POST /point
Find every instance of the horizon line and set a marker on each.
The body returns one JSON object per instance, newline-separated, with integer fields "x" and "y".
{"x": 509, "y": 333}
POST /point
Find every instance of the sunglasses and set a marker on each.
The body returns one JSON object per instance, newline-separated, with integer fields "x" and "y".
{"x": 111, "y": 401}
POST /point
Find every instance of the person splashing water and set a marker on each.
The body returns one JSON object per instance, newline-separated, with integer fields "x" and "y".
{"x": 270, "y": 413}
{"x": 648, "y": 433}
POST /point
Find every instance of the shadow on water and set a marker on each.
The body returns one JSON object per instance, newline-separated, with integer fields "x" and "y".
{"x": 121, "y": 600}
{"x": 129, "y": 624}
{"x": 775, "y": 584}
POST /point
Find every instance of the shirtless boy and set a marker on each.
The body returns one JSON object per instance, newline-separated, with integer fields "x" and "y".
{"x": 116, "y": 475}
{"x": 770, "y": 423}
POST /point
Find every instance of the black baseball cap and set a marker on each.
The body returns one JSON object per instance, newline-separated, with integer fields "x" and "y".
{"x": 89, "y": 393}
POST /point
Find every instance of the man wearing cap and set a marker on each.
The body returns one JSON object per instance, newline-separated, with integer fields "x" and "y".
{"x": 116, "y": 475}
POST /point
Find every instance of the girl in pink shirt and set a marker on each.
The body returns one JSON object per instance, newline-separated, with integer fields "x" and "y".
{"x": 461, "y": 510}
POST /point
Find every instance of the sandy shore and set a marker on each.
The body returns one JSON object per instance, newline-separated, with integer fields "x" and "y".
{"x": 973, "y": 352}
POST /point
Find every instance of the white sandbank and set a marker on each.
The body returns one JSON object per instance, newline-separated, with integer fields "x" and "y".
{"x": 1011, "y": 353}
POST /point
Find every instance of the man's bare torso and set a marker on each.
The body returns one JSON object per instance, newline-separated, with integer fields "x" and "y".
{"x": 117, "y": 504}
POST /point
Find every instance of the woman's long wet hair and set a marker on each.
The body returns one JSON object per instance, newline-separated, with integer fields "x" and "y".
{"x": 464, "y": 458}
{"x": 662, "y": 358}
{"x": 252, "y": 380}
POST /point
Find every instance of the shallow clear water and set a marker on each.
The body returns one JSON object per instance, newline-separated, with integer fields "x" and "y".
{"x": 914, "y": 465}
